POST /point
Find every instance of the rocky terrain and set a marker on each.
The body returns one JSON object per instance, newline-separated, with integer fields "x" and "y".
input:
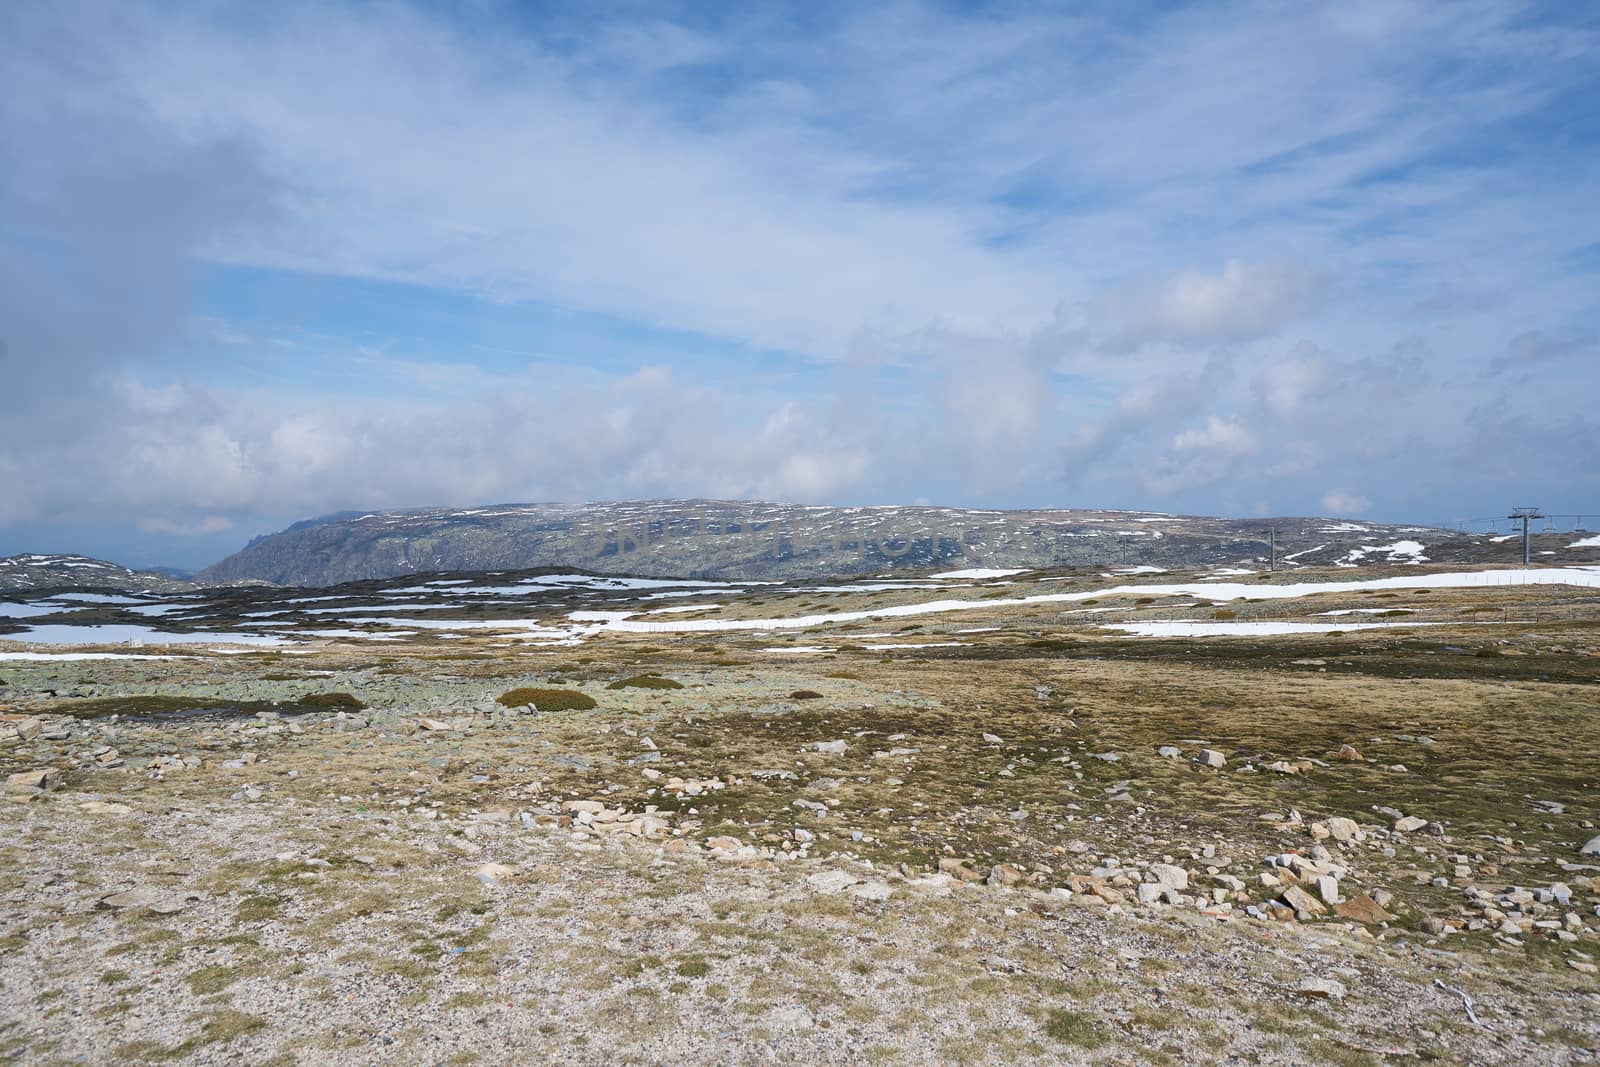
{"x": 34, "y": 572}
{"x": 739, "y": 540}
{"x": 1348, "y": 818}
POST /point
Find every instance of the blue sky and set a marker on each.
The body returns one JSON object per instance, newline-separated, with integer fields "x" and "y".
{"x": 1229, "y": 257}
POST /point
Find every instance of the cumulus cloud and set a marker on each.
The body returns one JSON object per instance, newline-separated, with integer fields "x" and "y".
{"x": 1202, "y": 455}
{"x": 1049, "y": 246}
{"x": 1240, "y": 302}
{"x": 1344, "y": 502}
{"x": 1227, "y": 437}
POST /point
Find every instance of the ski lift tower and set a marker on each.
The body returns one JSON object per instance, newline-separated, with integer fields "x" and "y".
{"x": 1526, "y": 515}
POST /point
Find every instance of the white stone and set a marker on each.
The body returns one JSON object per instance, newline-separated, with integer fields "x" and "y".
{"x": 1170, "y": 876}
{"x": 1344, "y": 830}
{"x": 830, "y": 881}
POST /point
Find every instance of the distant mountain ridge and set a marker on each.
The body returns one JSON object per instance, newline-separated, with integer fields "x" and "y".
{"x": 754, "y": 540}
{"x": 35, "y": 571}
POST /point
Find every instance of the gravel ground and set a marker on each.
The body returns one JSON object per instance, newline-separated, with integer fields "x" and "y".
{"x": 310, "y": 934}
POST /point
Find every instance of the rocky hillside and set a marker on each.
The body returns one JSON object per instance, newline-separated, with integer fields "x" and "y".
{"x": 749, "y": 541}
{"x": 27, "y": 573}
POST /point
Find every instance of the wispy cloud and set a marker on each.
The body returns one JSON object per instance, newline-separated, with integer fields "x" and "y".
{"x": 1012, "y": 254}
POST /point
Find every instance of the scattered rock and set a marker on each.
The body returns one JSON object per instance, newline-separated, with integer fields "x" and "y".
{"x": 23, "y": 727}
{"x": 39, "y": 781}
{"x": 1169, "y": 876}
{"x": 1301, "y": 901}
{"x": 1324, "y": 988}
{"x": 959, "y": 869}
{"x": 495, "y": 873}
{"x": 144, "y": 898}
{"x": 877, "y": 891}
{"x": 1344, "y": 830}
{"x": 1004, "y": 874}
{"x": 828, "y": 746}
{"x": 830, "y": 882}
{"x": 1210, "y": 757}
{"x": 1362, "y": 908}
{"x": 1169, "y": 751}
{"x": 1410, "y": 824}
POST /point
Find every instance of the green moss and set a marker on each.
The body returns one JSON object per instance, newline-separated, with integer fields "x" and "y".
{"x": 257, "y": 908}
{"x": 645, "y": 681}
{"x": 547, "y": 699}
{"x": 224, "y": 1025}
{"x": 1078, "y": 1028}
{"x": 694, "y": 967}
{"x": 211, "y": 979}
{"x": 333, "y": 702}
{"x": 805, "y": 694}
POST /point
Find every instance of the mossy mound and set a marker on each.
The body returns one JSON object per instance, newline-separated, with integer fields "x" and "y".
{"x": 547, "y": 699}
{"x": 805, "y": 694}
{"x": 645, "y": 681}
{"x": 333, "y": 702}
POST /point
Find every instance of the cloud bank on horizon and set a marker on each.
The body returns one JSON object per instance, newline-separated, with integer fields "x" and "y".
{"x": 1222, "y": 257}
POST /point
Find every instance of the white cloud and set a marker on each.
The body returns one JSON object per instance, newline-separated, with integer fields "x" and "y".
{"x": 1018, "y": 242}
{"x": 1227, "y": 437}
{"x": 1344, "y": 502}
{"x": 1240, "y": 302}
{"x": 1201, "y": 456}
{"x": 1286, "y": 385}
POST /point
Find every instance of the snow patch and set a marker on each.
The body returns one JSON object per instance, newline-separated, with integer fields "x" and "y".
{"x": 1244, "y": 629}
